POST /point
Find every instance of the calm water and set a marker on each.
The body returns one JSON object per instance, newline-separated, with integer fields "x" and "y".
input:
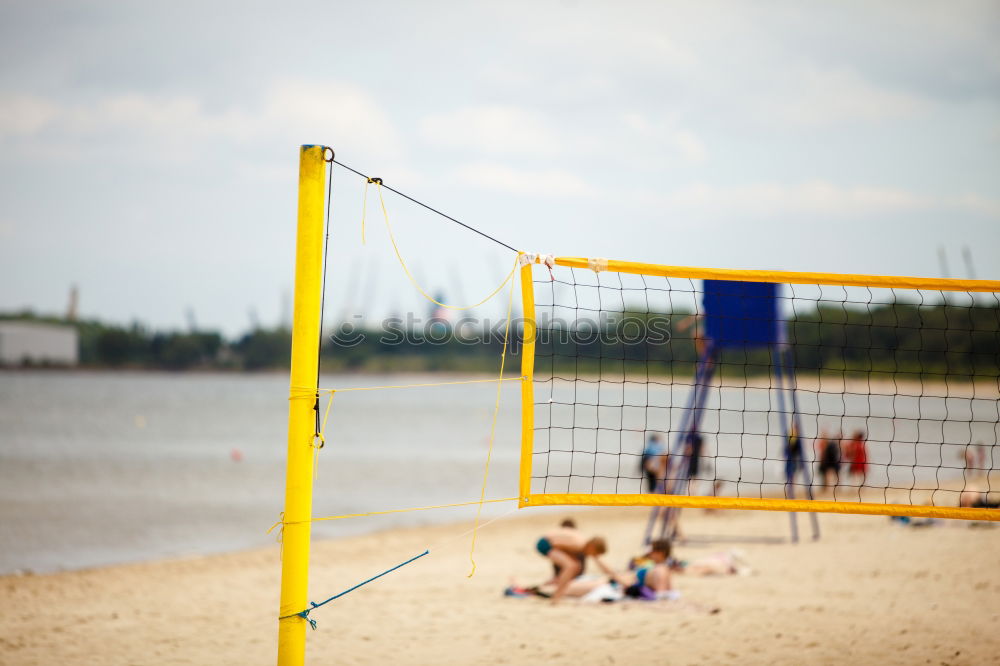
{"x": 591, "y": 435}
{"x": 101, "y": 468}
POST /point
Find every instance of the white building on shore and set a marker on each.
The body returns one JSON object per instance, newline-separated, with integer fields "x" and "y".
{"x": 37, "y": 343}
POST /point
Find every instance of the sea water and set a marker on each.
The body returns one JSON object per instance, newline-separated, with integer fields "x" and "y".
{"x": 102, "y": 468}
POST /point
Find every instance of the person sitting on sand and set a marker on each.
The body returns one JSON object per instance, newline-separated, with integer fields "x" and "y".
{"x": 652, "y": 573}
{"x": 568, "y": 550}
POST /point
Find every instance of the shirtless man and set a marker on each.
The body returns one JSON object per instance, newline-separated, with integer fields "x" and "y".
{"x": 568, "y": 550}
{"x": 649, "y": 578}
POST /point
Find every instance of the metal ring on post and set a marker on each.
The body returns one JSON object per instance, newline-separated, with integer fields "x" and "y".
{"x": 332, "y": 154}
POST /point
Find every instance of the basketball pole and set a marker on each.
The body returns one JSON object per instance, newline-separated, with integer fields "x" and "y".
{"x": 297, "y": 525}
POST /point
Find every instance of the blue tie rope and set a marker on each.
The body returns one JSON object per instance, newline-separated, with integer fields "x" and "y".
{"x": 313, "y": 605}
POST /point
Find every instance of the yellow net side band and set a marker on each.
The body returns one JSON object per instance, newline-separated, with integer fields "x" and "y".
{"x": 760, "y": 504}
{"x": 782, "y": 277}
{"x": 527, "y": 384}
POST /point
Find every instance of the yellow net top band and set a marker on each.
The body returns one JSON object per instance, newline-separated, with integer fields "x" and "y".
{"x": 782, "y": 277}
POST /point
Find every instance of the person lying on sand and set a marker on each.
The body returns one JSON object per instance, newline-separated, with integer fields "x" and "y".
{"x": 723, "y": 563}
{"x": 976, "y": 495}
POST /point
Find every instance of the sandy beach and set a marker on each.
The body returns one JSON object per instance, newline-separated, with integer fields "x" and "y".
{"x": 868, "y": 592}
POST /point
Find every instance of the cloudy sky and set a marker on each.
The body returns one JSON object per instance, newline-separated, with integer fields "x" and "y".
{"x": 148, "y": 151}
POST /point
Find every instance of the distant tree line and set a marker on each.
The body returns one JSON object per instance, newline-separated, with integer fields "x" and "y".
{"x": 105, "y": 345}
{"x": 918, "y": 340}
{"x": 941, "y": 339}
{"x": 136, "y": 346}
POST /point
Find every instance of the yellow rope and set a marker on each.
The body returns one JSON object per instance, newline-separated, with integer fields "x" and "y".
{"x": 477, "y": 527}
{"x": 493, "y": 427}
{"x": 321, "y": 434}
{"x": 326, "y": 416}
{"x": 300, "y": 392}
{"x": 406, "y": 269}
{"x": 316, "y": 393}
{"x": 389, "y": 511}
{"x": 399, "y": 386}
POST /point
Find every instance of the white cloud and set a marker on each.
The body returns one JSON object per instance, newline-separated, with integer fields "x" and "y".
{"x": 495, "y": 130}
{"x": 818, "y": 198}
{"x": 22, "y": 115}
{"x": 666, "y": 134}
{"x": 178, "y": 126}
{"x": 548, "y": 183}
{"x": 609, "y": 33}
{"x": 736, "y": 62}
{"x": 166, "y": 119}
{"x": 690, "y": 146}
{"x": 814, "y": 97}
{"x": 26, "y": 115}
{"x": 975, "y": 203}
{"x": 334, "y": 112}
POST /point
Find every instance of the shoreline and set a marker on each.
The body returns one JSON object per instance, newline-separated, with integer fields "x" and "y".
{"x": 849, "y": 376}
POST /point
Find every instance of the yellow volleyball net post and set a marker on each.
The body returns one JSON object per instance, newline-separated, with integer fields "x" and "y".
{"x": 297, "y": 517}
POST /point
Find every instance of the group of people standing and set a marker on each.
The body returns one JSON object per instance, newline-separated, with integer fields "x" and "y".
{"x": 656, "y": 457}
{"x": 835, "y": 452}
{"x": 832, "y": 453}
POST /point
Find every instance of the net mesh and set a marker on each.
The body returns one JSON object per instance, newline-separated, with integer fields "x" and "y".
{"x": 659, "y": 385}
